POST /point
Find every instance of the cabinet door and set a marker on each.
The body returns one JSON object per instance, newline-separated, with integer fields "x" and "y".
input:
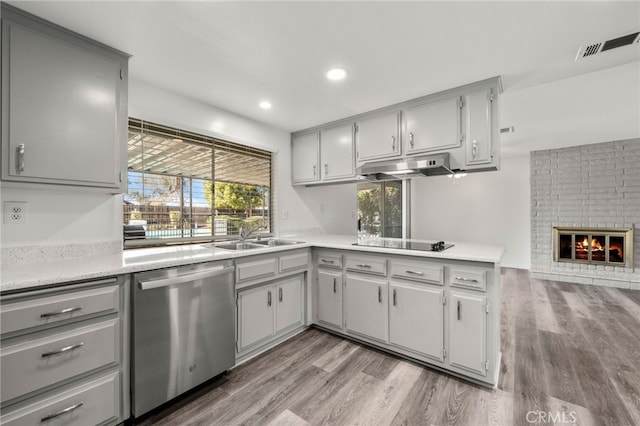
{"x": 416, "y": 318}
{"x": 330, "y": 297}
{"x": 433, "y": 126}
{"x": 479, "y": 147}
{"x": 67, "y": 123}
{"x": 256, "y": 308}
{"x": 336, "y": 153}
{"x": 468, "y": 332}
{"x": 366, "y": 306}
{"x": 289, "y": 304}
{"x": 378, "y": 137}
{"x": 304, "y": 158}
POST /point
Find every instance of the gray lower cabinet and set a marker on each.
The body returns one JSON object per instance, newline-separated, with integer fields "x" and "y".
{"x": 266, "y": 311}
{"x": 64, "y": 354}
{"x": 467, "y": 318}
{"x": 443, "y": 312}
{"x": 255, "y": 316}
{"x": 365, "y": 306}
{"x": 416, "y": 318}
{"x": 329, "y": 297}
{"x": 271, "y": 299}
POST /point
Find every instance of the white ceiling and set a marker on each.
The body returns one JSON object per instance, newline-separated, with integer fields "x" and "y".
{"x": 235, "y": 54}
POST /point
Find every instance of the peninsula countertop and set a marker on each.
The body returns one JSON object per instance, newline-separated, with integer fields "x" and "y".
{"x": 31, "y": 274}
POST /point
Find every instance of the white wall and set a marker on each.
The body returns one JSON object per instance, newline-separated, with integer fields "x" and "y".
{"x": 484, "y": 208}
{"x": 597, "y": 107}
{"x": 60, "y": 216}
{"x": 333, "y": 207}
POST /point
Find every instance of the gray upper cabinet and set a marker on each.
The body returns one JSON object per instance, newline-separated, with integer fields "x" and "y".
{"x": 64, "y": 112}
{"x": 479, "y": 127}
{"x": 336, "y": 153}
{"x": 323, "y": 156}
{"x": 378, "y": 136}
{"x": 462, "y": 122}
{"x": 433, "y": 126}
{"x": 305, "y": 158}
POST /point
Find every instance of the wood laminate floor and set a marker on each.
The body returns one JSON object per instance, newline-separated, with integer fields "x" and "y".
{"x": 570, "y": 355}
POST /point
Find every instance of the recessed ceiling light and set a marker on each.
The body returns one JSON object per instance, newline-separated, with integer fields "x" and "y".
{"x": 337, "y": 74}
{"x": 265, "y": 105}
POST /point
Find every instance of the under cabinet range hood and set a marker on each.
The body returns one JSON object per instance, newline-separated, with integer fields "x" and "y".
{"x": 402, "y": 168}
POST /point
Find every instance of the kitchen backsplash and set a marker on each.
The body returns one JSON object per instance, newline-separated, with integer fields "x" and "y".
{"x": 35, "y": 253}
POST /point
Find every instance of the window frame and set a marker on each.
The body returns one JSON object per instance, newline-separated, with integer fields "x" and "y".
{"x": 218, "y": 147}
{"x": 405, "y": 205}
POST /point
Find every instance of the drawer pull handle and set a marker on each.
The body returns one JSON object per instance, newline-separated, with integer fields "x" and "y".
{"x": 61, "y": 312}
{"x": 459, "y": 308}
{"x": 379, "y": 294}
{"x": 61, "y": 412}
{"x": 327, "y": 261}
{"x": 269, "y": 298}
{"x": 335, "y": 285}
{"x": 471, "y": 280}
{"x": 363, "y": 265}
{"x": 280, "y": 294}
{"x": 62, "y": 350}
{"x": 395, "y": 297}
{"x": 414, "y": 272}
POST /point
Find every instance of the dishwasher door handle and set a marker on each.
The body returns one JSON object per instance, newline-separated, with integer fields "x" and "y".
{"x": 164, "y": 282}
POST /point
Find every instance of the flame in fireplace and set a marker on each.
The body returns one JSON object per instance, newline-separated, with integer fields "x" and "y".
{"x": 584, "y": 245}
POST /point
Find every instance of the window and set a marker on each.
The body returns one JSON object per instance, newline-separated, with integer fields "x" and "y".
{"x": 383, "y": 208}
{"x": 184, "y": 187}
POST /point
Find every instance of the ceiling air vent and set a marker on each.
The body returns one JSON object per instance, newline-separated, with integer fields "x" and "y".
{"x": 599, "y": 47}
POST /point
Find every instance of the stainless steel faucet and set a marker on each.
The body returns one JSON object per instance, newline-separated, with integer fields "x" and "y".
{"x": 244, "y": 235}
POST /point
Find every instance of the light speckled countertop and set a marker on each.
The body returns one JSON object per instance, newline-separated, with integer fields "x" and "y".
{"x": 32, "y": 274}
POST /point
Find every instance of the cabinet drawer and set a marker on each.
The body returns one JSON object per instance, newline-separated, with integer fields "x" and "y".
{"x": 292, "y": 262}
{"x": 256, "y": 269}
{"x": 369, "y": 265}
{"x": 330, "y": 260}
{"x": 91, "y": 403}
{"x": 48, "y": 310}
{"x": 475, "y": 279}
{"x": 418, "y": 271}
{"x": 41, "y": 362}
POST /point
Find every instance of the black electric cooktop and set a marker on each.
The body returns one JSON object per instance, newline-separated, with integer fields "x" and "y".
{"x": 405, "y": 244}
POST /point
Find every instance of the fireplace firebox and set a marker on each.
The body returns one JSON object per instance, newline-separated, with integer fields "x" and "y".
{"x": 613, "y": 247}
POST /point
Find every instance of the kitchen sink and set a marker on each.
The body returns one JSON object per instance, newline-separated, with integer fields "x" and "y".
{"x": 237, "y": 245}
{"x": 271, "y": 242}
{"x": 253, "y": 244}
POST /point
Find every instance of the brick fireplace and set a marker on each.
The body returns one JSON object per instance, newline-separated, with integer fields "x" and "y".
{"x": 585, "y": 205}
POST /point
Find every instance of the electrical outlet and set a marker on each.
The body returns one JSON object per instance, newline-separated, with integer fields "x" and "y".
{"x": 15, "y": 212}
{"x": 286, "y": 214}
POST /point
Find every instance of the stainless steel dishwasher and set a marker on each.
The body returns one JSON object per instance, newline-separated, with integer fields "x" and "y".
{"x": 183, "y": 331}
